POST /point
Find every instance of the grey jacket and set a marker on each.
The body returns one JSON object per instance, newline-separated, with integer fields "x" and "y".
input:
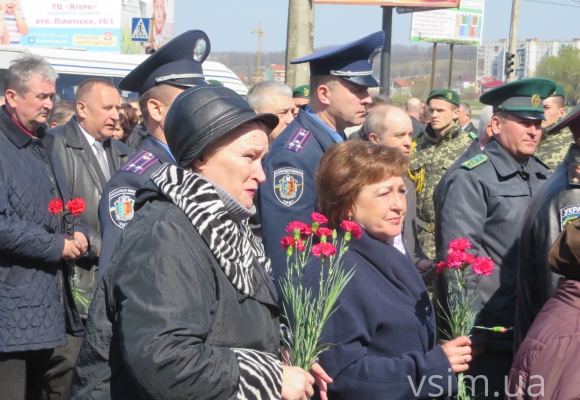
{"x": 85, "y": 179}
{"x": 555, "y": 204}
{"x": 486, "y": 204}
{"x": 165, "y": 318}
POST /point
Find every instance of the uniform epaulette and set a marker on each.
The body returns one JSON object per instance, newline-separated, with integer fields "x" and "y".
{"x": 574, "y": 174}
{"x": 475, "y": 161}
{"x": 140, "y": 162}
{"x": 541, "y": 162}
{"x": 298, "y": 140}
{"x": 472, "y": 135}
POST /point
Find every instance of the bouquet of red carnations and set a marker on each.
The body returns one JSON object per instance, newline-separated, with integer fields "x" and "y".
{"x": 458, "y": 315}
{"x": 307, "y": 313}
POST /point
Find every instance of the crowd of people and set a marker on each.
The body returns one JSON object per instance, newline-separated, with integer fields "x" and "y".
{"x": 167, "y": 286}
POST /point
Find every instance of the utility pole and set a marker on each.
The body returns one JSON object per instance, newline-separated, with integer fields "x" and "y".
{"x": 299, "y": 41}
{"x": 386, "y": 52}
{"x": 451, "y": 47}
{"x": 260, "y": 33}
{"x": 433, "y": 65}
{"x": 513, "y": 44}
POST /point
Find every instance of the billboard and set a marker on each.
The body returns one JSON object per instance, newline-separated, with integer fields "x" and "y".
{"x": 160, "y": 14}
{"x": 87, "y": 24}
{"x": 463, "y": 25}
{"x": 394, "y": 3}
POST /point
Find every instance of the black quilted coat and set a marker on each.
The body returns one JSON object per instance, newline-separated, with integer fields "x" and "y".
{"x": 32, "y": 315}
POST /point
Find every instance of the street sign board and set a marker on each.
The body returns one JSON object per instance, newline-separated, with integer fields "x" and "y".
{"x": 140, "y": 29}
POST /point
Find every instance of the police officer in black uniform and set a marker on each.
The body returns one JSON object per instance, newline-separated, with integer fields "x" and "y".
{"x": 339, "y": 82}
{"x": 484, "y": 201}
{"x": 159, "y": 80}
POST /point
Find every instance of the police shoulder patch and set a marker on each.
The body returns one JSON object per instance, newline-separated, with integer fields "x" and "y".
{"x": 569, "y": 214}
{"x": 122, "y": 206}
{"x": 472, "y": 135}
{"x": 475, "y": 161}
{"x": 298, "y": 140}
{"x": 574, "y": 174}
{"x": 140, "y": 162}
{"x": 288, "y": 185}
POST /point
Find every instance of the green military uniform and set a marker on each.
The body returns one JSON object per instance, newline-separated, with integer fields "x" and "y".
{"x": 553, "y": 148}
{"x": 430, "y": 159}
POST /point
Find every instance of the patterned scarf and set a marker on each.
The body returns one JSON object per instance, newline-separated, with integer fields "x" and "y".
{"x": 232, "y": 244}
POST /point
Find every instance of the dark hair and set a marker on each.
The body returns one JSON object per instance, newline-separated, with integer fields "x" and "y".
{"x": 124, "y": 122}
{"x": 346, "y": 167}
{"x": 61, "y": 112}
{"x": 88, "y": 85}
{"x": 130, "y": 113}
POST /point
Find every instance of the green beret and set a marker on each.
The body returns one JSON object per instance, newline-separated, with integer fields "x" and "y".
{"x": 302, "y": 91}
{"x": 444, "y": 94}
{"x": 559, "y": 91}
{"x": 521, "y": 98}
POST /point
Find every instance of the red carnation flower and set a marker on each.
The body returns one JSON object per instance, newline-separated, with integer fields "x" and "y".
{"x": 460, "y": 244}
{"x": 456, "y": 258}
{"x": 324, "y": 232}
{"x": 442, "y": 266}
{"x": 317, "y": 217}
{"x": 483, "y": 266}
{"x": 299, "y": 225}
{"x": 76, "y": 206}
{"x": 287, "y": 241}
{"x": 300, "y": 245}
{"x": 55, "y": 206}
{"x": 353, "y": 228}
{"x": 469, "y": 258}
{"x": 323, "y": 249}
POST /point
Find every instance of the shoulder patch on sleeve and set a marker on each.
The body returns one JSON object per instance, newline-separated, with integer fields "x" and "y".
{"x": 475, "y": 161}
{"x": 569, "y": 214}
{"x": 574, "y": 174}
{"x": 140, "y": 162}
{"x": 298, "y": 140}
{"x": 538, "y": 159}
{"x": 472, "y": 135}
{"x": 122, "y": 206}
{"x": 288, "y": 185}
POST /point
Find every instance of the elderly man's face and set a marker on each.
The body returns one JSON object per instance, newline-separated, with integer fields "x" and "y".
{"x": 518, "y": 136}
{"x": 464, "y": 117}
{"x": 98, "y": 112}
{"x": 283, "y": 107}
{"x": 31, "y": 109}
{"x": 399, "y": 132}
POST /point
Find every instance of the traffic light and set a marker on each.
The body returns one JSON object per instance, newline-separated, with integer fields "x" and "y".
{"x": 509, "y": 64}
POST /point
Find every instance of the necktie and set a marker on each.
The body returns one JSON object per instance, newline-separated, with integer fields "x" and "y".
{"x": 101, "y": 159}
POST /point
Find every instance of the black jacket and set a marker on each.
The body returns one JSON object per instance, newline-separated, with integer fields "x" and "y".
{"x": 85, "y": 179}
{"x": 165, "y": 317}
{"x": 383, "y": 330}
{"x": 556, "y": 203}
{"x": 32, "y": 315}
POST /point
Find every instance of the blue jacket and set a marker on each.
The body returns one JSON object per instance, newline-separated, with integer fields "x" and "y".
{"x": 116, "y": 207}
{"x": 383, "y": 329}
{"x": 289, "y": 192}
{"x": 32, "y": 316}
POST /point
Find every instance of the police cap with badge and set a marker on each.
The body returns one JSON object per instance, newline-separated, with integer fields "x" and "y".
{"x": 352, "y": 62}
{"x": 178, "y": 62}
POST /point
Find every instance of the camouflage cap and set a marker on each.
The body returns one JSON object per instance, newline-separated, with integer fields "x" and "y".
{"x": 444, "y": 94}
{"x": 302, "y": 92}
{"x": 521, "y": 98}
{"x": 559, "y": 91}
{"x": 570, "y": 120}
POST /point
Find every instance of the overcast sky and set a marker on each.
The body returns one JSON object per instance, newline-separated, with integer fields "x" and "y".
{"x": 228, "y": 23}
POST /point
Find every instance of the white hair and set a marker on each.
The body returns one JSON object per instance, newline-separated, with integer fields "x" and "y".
{"x": 24, "y": 68}
{"x": 484, "y": 121}
{"x": 259, "y": 96}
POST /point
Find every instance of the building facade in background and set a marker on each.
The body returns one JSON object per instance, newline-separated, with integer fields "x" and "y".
{"x": 491, "y": 57}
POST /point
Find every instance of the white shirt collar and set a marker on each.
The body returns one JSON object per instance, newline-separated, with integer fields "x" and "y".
{"x": 90, "y": 139}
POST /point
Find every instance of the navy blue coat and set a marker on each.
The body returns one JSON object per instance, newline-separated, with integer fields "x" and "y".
{"x": 32, "y": 316}
{"x": 289, "y": 192}
{"x": 383, "y": 329}
{"x": 116, "y": 207}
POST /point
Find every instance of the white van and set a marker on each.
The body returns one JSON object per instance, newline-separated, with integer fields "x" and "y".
{"x": 74, "y": 66}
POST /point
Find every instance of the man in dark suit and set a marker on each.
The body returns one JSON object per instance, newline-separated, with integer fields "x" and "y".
{"x": 465, "y": 119}
{"x": 90, "y": 157}
{"x": 414, "y": 109}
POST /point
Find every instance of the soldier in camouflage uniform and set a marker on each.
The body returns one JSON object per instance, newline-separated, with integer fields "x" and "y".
{"x": 435, "y": 150}
{"x": 553, "y": 147}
